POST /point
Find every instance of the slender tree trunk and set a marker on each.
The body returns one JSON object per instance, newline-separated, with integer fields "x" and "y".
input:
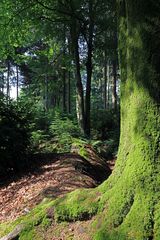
{"x": 114, "y": 89}
{"x": 69, "y": 92}
{"x": 105, "y": 79}
{"x": 89, "y": 71}
{"x": 108, "y": 84}
{"x": 3, "y": 82}
{"x": 8, "y": 80}
{"x": 64, "y": 91}
{"x": 79, "y": 86}
{"x": 101, "y": 88}
{"x": 64, "y": 74}
{"x": 46, "y": 100}
{"x": 17, "y": 81}
{"x": 69, "y": 75}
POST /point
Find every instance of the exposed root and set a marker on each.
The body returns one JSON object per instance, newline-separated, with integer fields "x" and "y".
{"x": 14, "y": 234}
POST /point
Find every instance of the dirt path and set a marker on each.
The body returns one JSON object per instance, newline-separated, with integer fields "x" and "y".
{"x": 50, "y": 175}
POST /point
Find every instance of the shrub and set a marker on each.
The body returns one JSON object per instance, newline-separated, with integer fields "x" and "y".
{"x": 14, "y": 135}
{"x": 64, "y": 130}
{"x": 105, "y": 124}
{"x": 106, "y": 149}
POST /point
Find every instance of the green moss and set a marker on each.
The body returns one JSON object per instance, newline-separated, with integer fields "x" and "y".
{"x": 46, "y": 222}
{"x": 5, "y": 228}
{"x": 78, "y": 205}
{"x": 29, "y": 221}
{"x": 103, "y": 235}
{"x": 28, "y": 234}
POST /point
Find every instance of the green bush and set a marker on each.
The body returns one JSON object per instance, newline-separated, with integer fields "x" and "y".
{"x": 64, "y": 130}
{"x": 105, "y": 128}
{"x": 106, "y": 149}
{"x": 105, "y": 124}
{"x": 14, "y": 135}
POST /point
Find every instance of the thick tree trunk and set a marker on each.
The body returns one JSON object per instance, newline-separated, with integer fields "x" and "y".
{"x": 132, "y": 192}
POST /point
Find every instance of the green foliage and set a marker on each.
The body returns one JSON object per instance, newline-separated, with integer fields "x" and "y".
{"x": 53, "y": 132}
{"x": 105, "y": 132}
{"x": 38, "y": 138}
{"x": 105, "y": 123}
{"x": 64, "y": 130}
{"x": 78, "y": 146}
{"x": 14, "y": 135}
{"x": 39, "y": 119}
{"x": 107, "y": 149}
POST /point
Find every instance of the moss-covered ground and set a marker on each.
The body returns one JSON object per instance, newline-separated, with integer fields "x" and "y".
{"x": 120, "y": 213}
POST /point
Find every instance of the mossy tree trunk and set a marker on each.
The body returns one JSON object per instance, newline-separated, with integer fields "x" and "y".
{"x": 132, "y": 193}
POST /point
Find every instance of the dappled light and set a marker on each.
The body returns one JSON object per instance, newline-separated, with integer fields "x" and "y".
{"x": 49, "y": 176}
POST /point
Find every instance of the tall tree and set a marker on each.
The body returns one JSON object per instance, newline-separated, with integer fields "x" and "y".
{"x": 132, "y": 192}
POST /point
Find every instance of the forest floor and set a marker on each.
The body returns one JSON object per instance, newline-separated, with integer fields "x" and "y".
{"x": 50, "y": 176}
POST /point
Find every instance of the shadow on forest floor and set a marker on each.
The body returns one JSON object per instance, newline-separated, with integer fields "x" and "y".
{"x": 49, "y": 175}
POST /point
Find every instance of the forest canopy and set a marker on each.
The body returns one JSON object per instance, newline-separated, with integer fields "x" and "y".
{"x": 59, "y": 62}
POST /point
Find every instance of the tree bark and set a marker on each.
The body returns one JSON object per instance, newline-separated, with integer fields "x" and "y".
{"x": 17, "y": 81}
{"x": 89, "y": 70}
{"x": 14, "y": 234}
{"x": 8, "y": 80}
{"x": 69, "y": 92}
{"x": 79, "y": 86}
{"x": 114, "y": 89}
{"x": 64, "y": 91}
{"x": 64, "y": 73}
{"x": 133, "y": 190}
{"x": 46, "y": 93}
{"x": 105, "y": 79}
{"x": 69, "y": 76}
{"x": 108, "y": 84}
{"x": 3, "y": 83}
